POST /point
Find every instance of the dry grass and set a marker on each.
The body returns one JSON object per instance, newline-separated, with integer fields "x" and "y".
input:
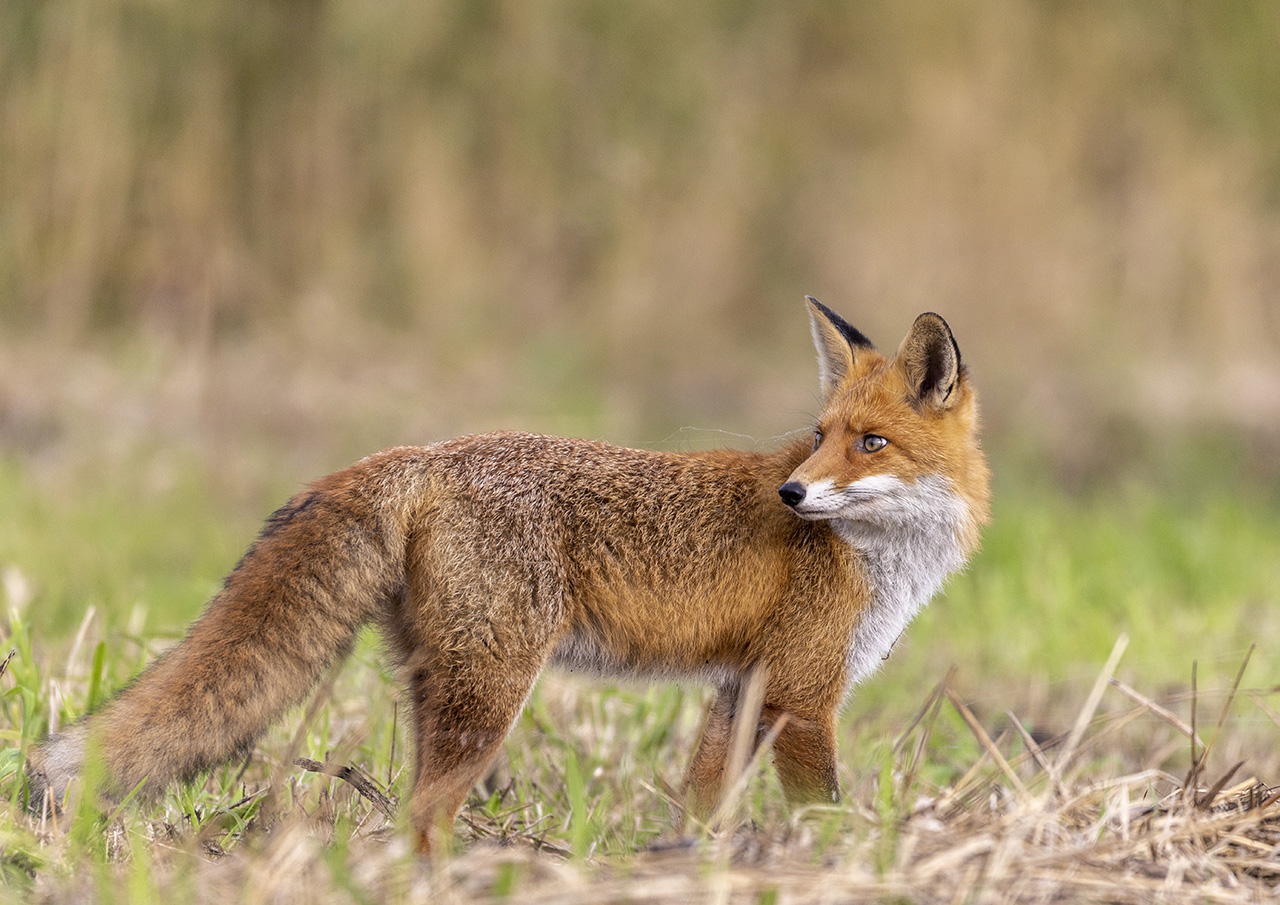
{"x": 1059, "y": 819}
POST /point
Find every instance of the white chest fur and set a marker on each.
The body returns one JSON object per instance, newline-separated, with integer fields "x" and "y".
{"x": 909, "y": 533}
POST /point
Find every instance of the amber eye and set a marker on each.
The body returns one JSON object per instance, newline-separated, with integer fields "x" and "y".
{"x": 817, "y": 440}
{"x": 873, "y": 443}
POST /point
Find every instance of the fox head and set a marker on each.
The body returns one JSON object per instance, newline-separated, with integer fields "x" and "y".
{"x": 896, "y": 443}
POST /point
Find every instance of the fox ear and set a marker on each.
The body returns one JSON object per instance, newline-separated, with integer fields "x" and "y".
{"x": 930, "y": 361}
{"x": 838, "y": 344}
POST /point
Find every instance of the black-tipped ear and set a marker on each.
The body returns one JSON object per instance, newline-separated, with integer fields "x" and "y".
{"x": 930, "y": 361}
{"x": 837, "y": 344}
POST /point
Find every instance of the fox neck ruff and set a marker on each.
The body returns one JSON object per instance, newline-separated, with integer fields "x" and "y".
{"x": 910, "y": 538}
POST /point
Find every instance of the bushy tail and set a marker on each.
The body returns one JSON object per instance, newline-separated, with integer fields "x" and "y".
{"x": 325, "y": 563}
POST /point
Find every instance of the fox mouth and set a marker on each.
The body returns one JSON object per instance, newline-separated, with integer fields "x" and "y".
{"x": 823, "y": 500}
{"x": 815, "y": 515}
{"x": 847, "y": 506}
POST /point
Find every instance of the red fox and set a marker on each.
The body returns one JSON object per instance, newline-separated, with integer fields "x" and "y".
{"x": 485, "y": 558}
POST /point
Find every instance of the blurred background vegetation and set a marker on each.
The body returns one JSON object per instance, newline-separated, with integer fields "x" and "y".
{"x": 242, "y": 243}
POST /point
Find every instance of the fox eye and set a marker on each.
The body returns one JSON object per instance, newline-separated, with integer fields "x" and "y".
{"x": 872, "y": 443}
{"x": 817, "y": 440}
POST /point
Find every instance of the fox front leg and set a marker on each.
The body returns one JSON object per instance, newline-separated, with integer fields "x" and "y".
{"x": 804, "y": 755}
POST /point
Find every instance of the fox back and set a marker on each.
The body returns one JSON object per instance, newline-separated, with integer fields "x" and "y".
{"x": 485, "y": 558}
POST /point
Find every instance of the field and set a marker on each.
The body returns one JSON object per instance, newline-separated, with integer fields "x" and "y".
{"x": 946, "y": 797}
{"x": 243, "y": 244}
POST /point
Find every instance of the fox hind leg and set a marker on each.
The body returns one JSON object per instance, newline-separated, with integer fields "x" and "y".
{"x": 462, "y": 714}
{"x": 704, "y": 778}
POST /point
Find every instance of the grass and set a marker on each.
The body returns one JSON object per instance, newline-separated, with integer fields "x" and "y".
{"x": 578, "y": 809}
{"x": 291, "y": 234}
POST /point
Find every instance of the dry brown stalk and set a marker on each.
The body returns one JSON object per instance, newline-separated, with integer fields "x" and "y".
{"x": 1038, "y": 755}
{"x": 356, "y": 778}
{"x": 1091, "y": 703}
{"x": 1207, "y": 799}
{"x": 929, "y": 704}
{"x": 1195, "y": 706}
{"x": 663, "y": 788}
{"x": 1162, "y": 712}
{"x": 931, "y": 707}
{"x": 1197, "y": 764}
{"x": 985, "y": 740}
{"x": 961, "y": 787}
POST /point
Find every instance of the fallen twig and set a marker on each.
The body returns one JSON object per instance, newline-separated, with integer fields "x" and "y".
{"x": 356, "y": 778}
{"x": 1164, "y": 713}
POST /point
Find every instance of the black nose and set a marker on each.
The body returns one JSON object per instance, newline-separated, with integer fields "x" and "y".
{"x": 792, "y": 493}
